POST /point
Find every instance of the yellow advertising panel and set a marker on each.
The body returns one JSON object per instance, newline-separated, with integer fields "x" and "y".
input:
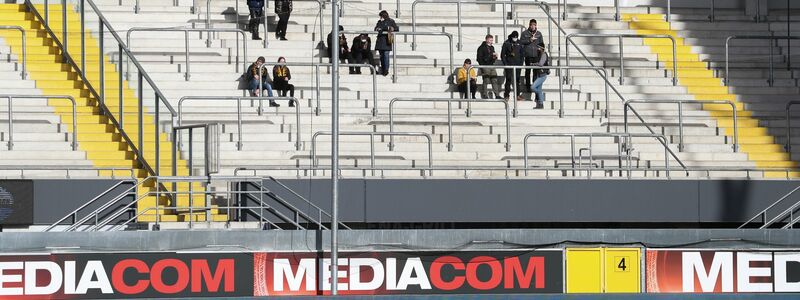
{"x": 584, "y": 270}
{"x": 622, "y": 270}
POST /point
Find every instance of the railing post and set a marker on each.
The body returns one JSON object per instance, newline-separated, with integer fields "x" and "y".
{"x": 449, "y": 125}
{"x": 771, "y": 80}
{"x": 119, "y": 92}
{"x": 156, "y": 132}
{"x": 712, "y": 17}
{"x": 101, "y": 63}
{"x": 616, "y": 11}
{"x": 394, "y": 62}
{"x": 239, "y": 123}
{"x": 460, "y": 43}
{"x": 186, "y": 49}
{"x": 680, "y": 126}
{"x": 11, "y": 124}
{"x": 621, "y": 56}
{"x": 560, "y": 95}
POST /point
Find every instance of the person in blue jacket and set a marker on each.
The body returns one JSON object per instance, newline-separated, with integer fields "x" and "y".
{"x": 256, "y": 14}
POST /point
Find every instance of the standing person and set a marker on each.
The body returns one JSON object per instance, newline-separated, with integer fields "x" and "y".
{"x": 256, "y": 14}
{"x": 360, "y": 52}
{"x": 283, "y": 8}
{"x": 281, "y": 76}
{"x": 263, "y": 78}
{"x": 385, "y": 28}
{"x": 540, "y": 76}
{"x": 511, "y": 55}
{"x": 486, "y": 56}
{"x": 531, "y": 40}
{"x": 462, "y": 79}
{"x": 341, "y": 46}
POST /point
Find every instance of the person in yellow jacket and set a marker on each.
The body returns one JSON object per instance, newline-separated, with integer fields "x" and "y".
{"x": 461, "y": 79}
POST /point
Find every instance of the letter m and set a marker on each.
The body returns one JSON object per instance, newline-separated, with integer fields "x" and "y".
{"x": 201, "y": 274}
{"x": 513, "y": 269}
{"x": 282, "y": 269}
{"x": 693, "y": 264}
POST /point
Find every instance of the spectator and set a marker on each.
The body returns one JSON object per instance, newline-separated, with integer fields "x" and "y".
{"x": 385, "y": 28}
{"x": 487, "y": 56}
{"x": 540, "y": 76}
{"x": 462, "y": 80}
{"x": 262, "y": 78}
{"x": 511, "y": 55}
{"x": 256, "y": 14}
{"x": 360, "y": 52}
{"x": 342, "y": 46}
{"x": 283, "y": 8}
{"x": 531, "y": 40}
{"x": 281, "y": 76}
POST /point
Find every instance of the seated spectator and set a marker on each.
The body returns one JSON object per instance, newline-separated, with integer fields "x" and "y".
{"x": 462, "y": 80}
{"x": 361, "y": 52}
{"x": 254, "y": 78}
{"x": 282, "y": 75}
{"x": 344, "y": 51}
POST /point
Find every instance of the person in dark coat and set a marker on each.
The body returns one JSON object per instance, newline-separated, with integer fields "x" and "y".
{"x": 531, "y": 40}
{"x": 281, "y": 76}
{"x": 257, "y": 81}
{"x": 344, "y": 50}
{"x": 361, "y": 52}
{"x": 256, "y": 16}
{"x": 487, "y": 57}
{"x": 511, "y": 55}
{"x": 283, "y": 8}
{"x": 385, "y": 28}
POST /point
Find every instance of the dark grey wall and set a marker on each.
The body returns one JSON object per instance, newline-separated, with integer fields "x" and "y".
{"x": 53, "y": 199}
{"x": 440, "y": 200}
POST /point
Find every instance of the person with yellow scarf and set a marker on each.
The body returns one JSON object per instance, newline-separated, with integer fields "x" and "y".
{"x": 281, "y": 76}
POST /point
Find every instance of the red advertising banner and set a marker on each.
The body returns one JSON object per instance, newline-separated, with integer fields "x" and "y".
{"x": 722, "y": 271}
{"x": 419, "y": 272}
{"x": 125, "y": 275}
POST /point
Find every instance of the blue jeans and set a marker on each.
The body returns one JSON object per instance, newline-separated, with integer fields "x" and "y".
{"x": 254, "y": 86}
{"x": 384, "y": 61}
{"x": 536, "y": 87}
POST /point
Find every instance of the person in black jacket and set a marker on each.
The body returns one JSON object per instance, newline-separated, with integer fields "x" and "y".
{"x": 283, "y": 8}
{"x": 385, "y": 28}
{"x": 259, "y": 81}
{"x": 281, "y": 76}
{"x": 511, "y": 54}
{"x": 486, "y": 56}
{"x": 256, "y": 14}
{"x": 360, "y": 52}
{"x": 344, "y": 51}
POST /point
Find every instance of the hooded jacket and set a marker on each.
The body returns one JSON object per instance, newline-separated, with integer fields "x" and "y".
{"x": 511, "y": 54}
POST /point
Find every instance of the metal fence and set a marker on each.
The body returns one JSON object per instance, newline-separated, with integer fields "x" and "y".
{"x": 771, "y": 80}
{"x": 371, "y": 135}
{"x": 10, "y": 99}
{"x": 24, "y": 46}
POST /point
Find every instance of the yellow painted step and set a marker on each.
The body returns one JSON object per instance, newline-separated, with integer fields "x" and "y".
{"x": 768, "y": 156}
{"x": 762, "y": 148}
{"x": 202, "y": 218}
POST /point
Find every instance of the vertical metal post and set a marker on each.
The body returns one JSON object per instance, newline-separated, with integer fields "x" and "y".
{"x": 394, "y": 62}
{"x": 712, "y": 16}
{"x": 788, "y": 34}
{"x": 83, "y": 36}
{"x": 317, "y": 110}
{"x": 157, "y": 137}
{"x": 772, "y": 45}
{"x": 64, "y": 38}
{"x": 141, "y": 127}
{"x": 239, "y": 123}
{"x": 141, "y": 100}
{"x": 727, "y": 62}
{"x": 335, "y": 151}
{"x": 505, "y": 22}
{"x": 680, "y": 126}
{"x": 101, "y": 62}
{"x": 46, "y": 13}
{"x": 669, "y": 13}
{"x": 119, "y": 82}
{"x": 449, "y": 125}
{"x": 616, "y": 10}
{"x": 460, "y": 43}
{"x": 397, "y": 9}
{"x": 136, "y": 7}
{"x": 560, "y": 95}
{"x": 11, "y": 124}
{"x": 621, "y": 62}
{"x": 186, "y": 50}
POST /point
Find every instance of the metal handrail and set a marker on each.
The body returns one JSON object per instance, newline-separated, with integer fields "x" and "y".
{"x": 601, "y": 71}
{"x": 288, "y": 205}
{"x": 622, "y": 36}
{"x": 680, "y": 116}
{"x": 209, "y": 147}
{"x": 24, "y": 168}
{"x": 771, "y": 80}
{"x": 414, "y": 34}
{"x": 239, "y": 112}
{"x": 542, "y": 5}
{"x": 371, "y": 135}
{"x": 319, "y": 209}
{"x": 789, "y": 105}
{"x": 763, "y": 213}
{"x": 316, "y": 67}
{"x": 74, "y": 213}
{"x": 547, "y": 170}
{"x": 24, "y": 46}
{"x": 110, "y": 203}
{"x": 186, "y": 42}
{"x": 11, "y": 116}
{"x": 449, "y": 117}
{"x": 626, "y": 146}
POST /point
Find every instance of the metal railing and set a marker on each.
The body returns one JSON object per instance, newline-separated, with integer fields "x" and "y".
{"x": 10, "y": 99}
{"x": 771, "y": 80}
{"x": 99, "y": 93}
{"x": 317, "y": 80}
{"x": 414, "y": 34}
{"x": 621, "y": 147}
{"x": 449, "y": 117}
{"x": 600, "y": 70}
{"x": 186, "y": 43}
{"x": 129, "y": 192}
{"x": 211, "y": 151}
{"x": 22, "y": 169}
{"x": 680, "y": 116}
{"x": 789, "y": 105}
{"x": 621, "y": 36}
{"x": 779, "y": 216}
{"x": 239, "y": 112}
{"x": 372, "y": 135}
{"x": 458, "y": 3}
{"x": 24, "y": 46}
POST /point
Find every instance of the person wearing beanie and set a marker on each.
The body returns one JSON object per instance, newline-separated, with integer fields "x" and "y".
{"x": 344, "y": 51}
{"x": 462, "y": 79}
{"x": 385, "y": 28}
{"x": 511, "y": 55}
